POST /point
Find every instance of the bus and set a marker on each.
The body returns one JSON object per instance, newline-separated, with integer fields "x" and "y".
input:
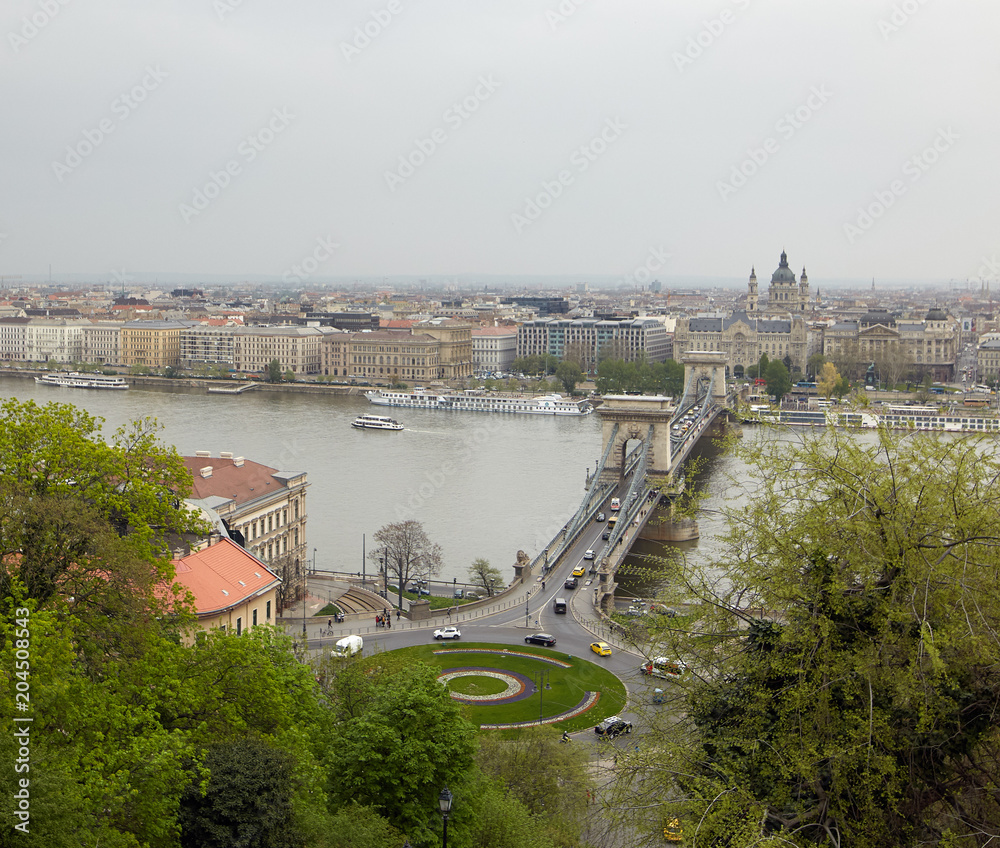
{"x": 612, "y": 521}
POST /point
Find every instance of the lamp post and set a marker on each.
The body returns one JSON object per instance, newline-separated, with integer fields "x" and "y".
{"x": 444, "y": 802}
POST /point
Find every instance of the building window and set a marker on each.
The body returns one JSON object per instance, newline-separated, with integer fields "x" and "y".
{"x": 268, "y": 612}
{"x": 255, "y": 618}
{"x": 239, "y": 626}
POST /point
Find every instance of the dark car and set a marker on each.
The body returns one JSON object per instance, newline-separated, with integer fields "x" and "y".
{"x": 606, "y": 535}
{"x": 571, "y": 583}
{"x": 540, "y": 639}
{"x": 612, "y": 727}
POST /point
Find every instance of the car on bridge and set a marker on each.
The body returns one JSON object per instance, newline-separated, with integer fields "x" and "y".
{"x": 540, "y": 639}
{"x": 601, "y": 516}
{"x": 579, "y": 571}
{"x": 571, "y": 583}
{"x": 615, "y": 504}
{"x": 605, "y": 535}
{"x": 449, "y": 632}
{"x": 602, "y": 649}
{"x": 588, "y": 554}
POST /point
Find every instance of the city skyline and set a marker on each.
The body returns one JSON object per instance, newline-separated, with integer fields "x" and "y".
{"x": 545, "y": 144}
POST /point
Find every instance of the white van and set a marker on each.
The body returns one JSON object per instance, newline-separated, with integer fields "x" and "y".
{"x": 347, "y": 647}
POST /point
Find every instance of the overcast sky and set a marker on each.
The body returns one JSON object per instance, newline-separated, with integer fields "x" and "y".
{"x": 313, "y": 140}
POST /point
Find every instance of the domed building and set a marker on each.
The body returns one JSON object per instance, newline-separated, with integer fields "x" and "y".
{"x": 785, "y": 294}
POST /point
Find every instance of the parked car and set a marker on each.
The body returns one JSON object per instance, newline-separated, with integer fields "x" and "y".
{"x": 571, "y": 583}
{"x": 613, "y": 726}
{"x": 602, "y": 649}
{"x": 471, "y": 596}
{"x": 449, "y": 632}
{"x": 588, "y": 554}
{"x": 418, "y": 590}
{"x": 540, "y": 639}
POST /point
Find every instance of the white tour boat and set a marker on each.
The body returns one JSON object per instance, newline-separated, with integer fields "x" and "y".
{"x": 376, "y": 422}
{"x": 477, "y": 400}
{"x": 76, "y": 380}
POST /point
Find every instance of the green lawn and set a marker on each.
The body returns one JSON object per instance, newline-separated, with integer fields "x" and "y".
{"x": 567, "y": 685}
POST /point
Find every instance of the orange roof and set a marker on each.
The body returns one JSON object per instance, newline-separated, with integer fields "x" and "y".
{"x": 241, "y": 483}
{"x": 223, "y": 576}
{"x": 396, "y": 324}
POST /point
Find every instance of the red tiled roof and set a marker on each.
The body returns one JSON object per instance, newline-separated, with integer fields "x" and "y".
{"x": 241, "y": 483}
{"x": 222, "y": 576}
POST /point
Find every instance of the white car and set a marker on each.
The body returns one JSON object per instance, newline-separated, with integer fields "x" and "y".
{"x": 588, "y": 554}
{"x": 449, "y": 632}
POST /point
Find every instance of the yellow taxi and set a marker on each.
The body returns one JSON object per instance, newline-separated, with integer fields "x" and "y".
{"x": 579, "y": 571}
{"x": 602, "y": 649}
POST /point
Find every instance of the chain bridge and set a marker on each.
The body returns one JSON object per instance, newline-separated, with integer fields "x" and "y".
{"x": 646, "y": 440}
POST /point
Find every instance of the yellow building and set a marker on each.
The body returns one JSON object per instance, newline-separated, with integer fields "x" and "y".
{"x": 153, "y": 343}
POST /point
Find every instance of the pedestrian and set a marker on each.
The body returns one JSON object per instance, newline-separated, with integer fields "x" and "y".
{"x": 397, "y": 615}
{"x": 449, "y": 612}
{"x": 376, "y": 621}
{"x": 388, "y": 621}
{"x": 329, "y": 623}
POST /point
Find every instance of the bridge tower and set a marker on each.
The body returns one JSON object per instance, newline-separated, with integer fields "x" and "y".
{"x": 634, "y": 414}
{"x": 707, "y": 363}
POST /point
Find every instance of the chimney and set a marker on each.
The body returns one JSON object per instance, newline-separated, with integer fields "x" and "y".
{"x": 226, "y": 454}
{"x": 202, "y": 453}
{"x": 206, "y": 471}
{"x": 238, "y": 462}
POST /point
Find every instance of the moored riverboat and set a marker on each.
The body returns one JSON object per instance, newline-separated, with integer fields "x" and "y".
{"x": 77, "y": 380}
{"x": 477, "y": 400}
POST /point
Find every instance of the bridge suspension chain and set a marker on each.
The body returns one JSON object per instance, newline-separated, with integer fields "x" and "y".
{"x": 596, "y": 489}
{"x": 632, "y": 501}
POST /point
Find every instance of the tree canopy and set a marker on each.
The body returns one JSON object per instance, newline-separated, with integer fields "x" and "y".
{"x": 844, "y": 650}
{"x": 617, "y": 376}
{"x": 408, "y": 553}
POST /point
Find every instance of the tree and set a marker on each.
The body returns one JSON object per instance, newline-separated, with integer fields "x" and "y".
{"x": 845, "y": 647}
{"x": 289, "y": 376}
{"x": 397, "y": 755}
{"x": 409, "y": 553}
{"x": 828, "y": 379}
{"x": 247, "y": 800}
{"x": 569, "y": 374}
{"x": 481, "y": 573}
{"x": 274, "y": 371}
{"x": 778, "y": 381}
{"x": 815, "y": 365}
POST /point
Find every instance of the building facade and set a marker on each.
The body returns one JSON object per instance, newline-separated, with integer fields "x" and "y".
{"x": 587, "y": 341}
{"x": 263, "y": 509}
{"x": 296, "y": 349}
{"x": 156, "y": 344}
{"x": 209, "y": 345}
{"x": 102, "y": 343}
{"x": 744, "y": 339}
{"x": 494, "y": 348}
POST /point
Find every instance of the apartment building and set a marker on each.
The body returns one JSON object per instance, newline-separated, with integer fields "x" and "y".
{"x": 263, "y": 509}
{"x": 494, "y": 348}
{"x": 156, "y": 344}
{"x": 297, "y": 349}
{"x": 102, "y": 343}
{"x": 587, "y": 341}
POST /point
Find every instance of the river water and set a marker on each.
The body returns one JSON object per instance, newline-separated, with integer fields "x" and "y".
{"x": 483, "y": 485}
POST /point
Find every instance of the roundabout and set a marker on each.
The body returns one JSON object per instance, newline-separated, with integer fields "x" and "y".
{"x": 505, "y": 688}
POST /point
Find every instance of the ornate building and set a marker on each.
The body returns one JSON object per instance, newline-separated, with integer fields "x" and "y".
{"x": 779, "y": 330}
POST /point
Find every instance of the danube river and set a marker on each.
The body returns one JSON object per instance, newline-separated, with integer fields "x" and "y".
{"x": 483, "y": 485}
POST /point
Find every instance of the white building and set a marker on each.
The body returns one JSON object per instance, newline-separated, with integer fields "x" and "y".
{"x": 494, "y": 348}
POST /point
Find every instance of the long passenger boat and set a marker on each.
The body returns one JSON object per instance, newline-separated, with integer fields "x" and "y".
{"x": 76, "y": 380}
{"x": 477, "y": 400}
{"x": 929, "y": 418}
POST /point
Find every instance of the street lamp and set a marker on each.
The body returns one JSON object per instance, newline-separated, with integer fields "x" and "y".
{"x": 444, "y": 802}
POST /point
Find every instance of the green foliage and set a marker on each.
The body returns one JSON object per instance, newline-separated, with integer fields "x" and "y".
{"x": 246, "y": 800}
{"x": 273, "y": 374}
{"x": 569, "y": 374}
{"x": 778, "y": 381}
{"x": 616, "y": 376}
{"x": 356, "y": 826}
{"x": 485, "y": 576}
{"x": 860, "y": 711}
{"x": 396, "y": 755}
{"x": 536, "y": 364}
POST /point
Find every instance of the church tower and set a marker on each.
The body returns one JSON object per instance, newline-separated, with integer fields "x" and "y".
{"x": 752, "y": 293}
{"x": 803, "y": 291}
